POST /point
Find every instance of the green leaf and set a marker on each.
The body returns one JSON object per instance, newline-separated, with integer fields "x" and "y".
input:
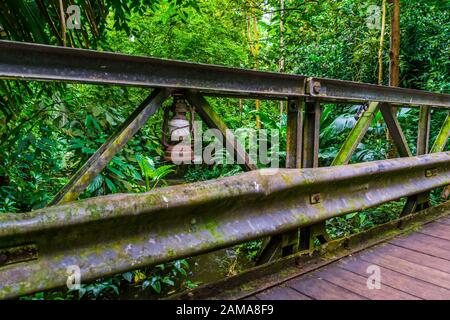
{"x": 351, "y": 215}
{"x": 128, "y": 276}
{"x": 185, "y": 263}
{"x": 168, "y": 281}
{"x": 110, "y": 185}
{"x": 115, "y": 171}
{"x": 95, "y": 184}
{"x": 156, "y": 285}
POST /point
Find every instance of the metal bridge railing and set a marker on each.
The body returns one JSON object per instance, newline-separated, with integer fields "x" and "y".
{"x": 111, "y": 234}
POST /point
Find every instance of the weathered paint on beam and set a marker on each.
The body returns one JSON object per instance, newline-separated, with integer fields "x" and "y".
{"x": 356, "y": 135}
{"x": 111, "y": 234}
{"x": 30, "y": 61}
{"x": 442, "y": 137}
{"x": 98, "y": 161}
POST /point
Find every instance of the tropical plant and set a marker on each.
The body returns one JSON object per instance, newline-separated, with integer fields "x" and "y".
{"x": 150, "y": 173}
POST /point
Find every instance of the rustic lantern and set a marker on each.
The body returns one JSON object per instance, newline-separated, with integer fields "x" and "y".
{"x": 178, "y": 132}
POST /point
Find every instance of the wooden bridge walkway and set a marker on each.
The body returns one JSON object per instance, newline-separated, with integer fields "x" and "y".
{"x": 411, "y": 255}
{"x": 413, "y": 267}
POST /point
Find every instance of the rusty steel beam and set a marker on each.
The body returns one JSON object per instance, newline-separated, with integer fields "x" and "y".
{"x": 27, "y": 61}
{"x": 339, "y": 90}
{"x": 294, "y": 133}
{"x": 100, "y": 159}
{"x": 111, "y": 234}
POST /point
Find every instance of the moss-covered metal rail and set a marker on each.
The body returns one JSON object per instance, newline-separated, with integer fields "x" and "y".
{"x": 115, "y": 233}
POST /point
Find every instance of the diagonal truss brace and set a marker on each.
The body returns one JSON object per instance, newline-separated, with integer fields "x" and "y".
{"x": 98, "y": 161}
{"x": 356, "y": 135}
{"x": 441, "y": 139}
{"x": 360, "y": 129}
{"x": 213, "y": 120}
{"x": 395, "y": 130}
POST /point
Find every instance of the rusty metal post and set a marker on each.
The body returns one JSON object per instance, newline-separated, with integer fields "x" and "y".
{"x": 423, "y": 136}
{"x": 287, "y": 243}
{"x": 311, "y": 132}
{"x": 420, "y": 201}
{"x": 310, "y": 159}
{"x": 294, "y": 149}
{"x": 294, "y": 133}
{"x": 98, "y": 161}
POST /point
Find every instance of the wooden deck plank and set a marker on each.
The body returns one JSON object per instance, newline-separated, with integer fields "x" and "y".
{"x": 438, "y": 230}
{"x": 445, "y": 220}
{"x": 416, "y": 287}
{"x": 417, "y": 271}
{"x": 358, "y": 284}
{"x": 425, "y": 244}
{"x": 415, "y": 266}
{"x": 416, "y": 257}
{"x": 321, "y": 289}
{"x": 282, "y": 293}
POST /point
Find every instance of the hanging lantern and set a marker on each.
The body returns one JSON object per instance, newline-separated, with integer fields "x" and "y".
{"x": 178, "y": 132}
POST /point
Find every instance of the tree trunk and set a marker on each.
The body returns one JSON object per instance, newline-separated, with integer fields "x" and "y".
{"x": 394, "y": 54}
{"x": 256, "y": 57}
{"x": 63, "y": 22}
{"x": 282, "y": 53}
{"x": 253, "y": 40}
{"x": 394, "y": 64}
{"x": 380, "y": 51}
